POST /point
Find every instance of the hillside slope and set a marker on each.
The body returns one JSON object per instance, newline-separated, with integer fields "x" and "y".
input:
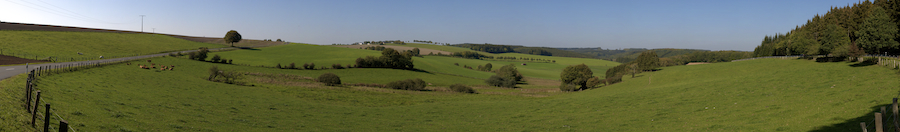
{"x": 66, "y": 46}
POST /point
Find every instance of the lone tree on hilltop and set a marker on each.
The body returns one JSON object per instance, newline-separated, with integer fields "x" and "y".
{"x": 232, "y": 37}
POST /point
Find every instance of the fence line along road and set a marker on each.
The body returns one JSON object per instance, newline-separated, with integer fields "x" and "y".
{"x": 9, "y": 71}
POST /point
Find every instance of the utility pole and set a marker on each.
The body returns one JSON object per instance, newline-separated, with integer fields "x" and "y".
{"x": 142, "y": 23}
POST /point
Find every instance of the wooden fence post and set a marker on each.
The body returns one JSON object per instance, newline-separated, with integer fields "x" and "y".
{"x": 895, "y": 111}
{"x": 878, "y": 126}
{"x": 36, "y": 103}
{"x": 63, "y": 126}
{"x": 863, "y": 125}
{"x": 47, "y": 117}
{"x": 28, "y": 94}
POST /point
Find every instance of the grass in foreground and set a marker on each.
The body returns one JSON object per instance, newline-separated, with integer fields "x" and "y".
{"x": 756, "y": 95}
{"x": 67, "y": 45}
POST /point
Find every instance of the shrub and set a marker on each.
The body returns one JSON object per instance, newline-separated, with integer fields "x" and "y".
{"x": 290, "y": 66}
{"x": 593, "y": 82}
{"x": 408, "y": 84}
{"x": 613, "y": 80}
{"x": 457, "y": 64}
{"x": 216, "y": 58}
{"x": 330, "y": 79}
{"x": 337, "y": 66}
{"x": 568, "y": 87}
{"x": 278, "y": 65}
{"x": 229, "y": 61}
{"x": 462, "y": 88}
{"x": 213, "y": 73}
{"x": 312, "y": 66}
{"x": 201, "y": 55}
{"x": 192, "y": 55}
{"x": 499, "y": 81}
{"x": 306, "y": 66}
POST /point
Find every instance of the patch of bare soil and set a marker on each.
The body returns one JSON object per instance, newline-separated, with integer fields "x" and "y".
{"x": 422, "y": 51}
{"x": 9, "y": 60}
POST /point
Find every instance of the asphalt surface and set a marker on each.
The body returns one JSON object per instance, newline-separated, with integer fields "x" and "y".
{"x": 9, "y": 71}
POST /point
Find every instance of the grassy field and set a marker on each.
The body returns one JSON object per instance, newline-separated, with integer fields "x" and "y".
{"x": 67, "y": 45}
{"x": 756, "y": 95}
{"x": 327, "y": 55}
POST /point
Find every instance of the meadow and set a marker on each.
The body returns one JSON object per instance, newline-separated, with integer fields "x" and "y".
{"x": 755, "y": 95}
{"x": 66, "y": 45}
{"x": 328, "y": 55}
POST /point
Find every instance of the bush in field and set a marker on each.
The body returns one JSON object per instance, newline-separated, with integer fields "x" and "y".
{"x": 577, "y": 75}
{"x": 408, "y": 84}
{"x": 613, "y": 80}
{"x": 594, "y": 81}
{"x": 568, "y": 87}
{"x": 291, "y": 66}
{"x": 216, "y": 58}
{"x": 229, "y": 61}
{"x": 330, "y": 79}
{"x": 462, "y": 88}
{"x": 499, "y": 81}
{"x": 213, "y": 73}
{"x": 337, "y": 66}
{"x": 389, "y": 58}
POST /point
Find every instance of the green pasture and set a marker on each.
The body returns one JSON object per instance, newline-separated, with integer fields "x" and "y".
{"x": 66, "y": 45}
{"x": 327, "y": 55}
{"x": 755, "y": 95}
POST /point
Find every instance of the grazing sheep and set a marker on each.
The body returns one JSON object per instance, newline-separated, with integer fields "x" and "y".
{"x": 170, "y": 68}
{"x": 128, "y": 63}
{"x": 79, "y": 53}
{"x": 101, "y": 57}
{"x": 162, "y": 69}
{"x": 148, "y": 60}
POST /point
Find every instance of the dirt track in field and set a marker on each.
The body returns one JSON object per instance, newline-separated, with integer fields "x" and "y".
{"x": 422, "y": 51}
{"x": 7, "y": 60}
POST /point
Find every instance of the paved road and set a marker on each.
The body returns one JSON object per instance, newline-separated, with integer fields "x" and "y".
{"x": 9, "y": 71}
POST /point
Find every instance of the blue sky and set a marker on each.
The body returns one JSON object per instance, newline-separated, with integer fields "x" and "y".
{"x": 692, "y": 24}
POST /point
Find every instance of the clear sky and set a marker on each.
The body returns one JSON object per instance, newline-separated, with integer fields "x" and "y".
{"x": 710, "y": 24}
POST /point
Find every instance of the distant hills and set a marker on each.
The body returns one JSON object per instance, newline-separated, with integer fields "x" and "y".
{"x": 626, "y": 55}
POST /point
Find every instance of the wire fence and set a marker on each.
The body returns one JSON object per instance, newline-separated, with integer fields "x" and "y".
{"x": 33, "y": 99}
{"x": 883, "y": 117}
{"x": 80, "y": 57}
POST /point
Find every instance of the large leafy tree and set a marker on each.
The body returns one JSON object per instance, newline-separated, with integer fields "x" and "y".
{"x": 232, "y": 37}
{"x": 877, "y": 32}
{"x": 835, "y": 40}
{"x": 648, "y": 60}
{"x": 575, "y": 75}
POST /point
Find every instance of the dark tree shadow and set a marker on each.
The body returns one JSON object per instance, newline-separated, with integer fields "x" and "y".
{"x": 852, "y": 125}
{"x": 830, "y": 59}
{"x": 247, "y": 48}
{"x": 864, "y": 63}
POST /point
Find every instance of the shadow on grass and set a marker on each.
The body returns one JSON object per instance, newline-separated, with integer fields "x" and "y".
{"x": 247, "y": 48}
{"x": 864, "y": 63}
{"x": 852, "y": 125}
{"x": 830, "y": 59}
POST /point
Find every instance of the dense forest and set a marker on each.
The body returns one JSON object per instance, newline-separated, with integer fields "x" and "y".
{"x": 862, "y": 28}
{"x": 495, "y": 48}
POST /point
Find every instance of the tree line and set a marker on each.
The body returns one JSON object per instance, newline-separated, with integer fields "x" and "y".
{"x": 863, "y": 28}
